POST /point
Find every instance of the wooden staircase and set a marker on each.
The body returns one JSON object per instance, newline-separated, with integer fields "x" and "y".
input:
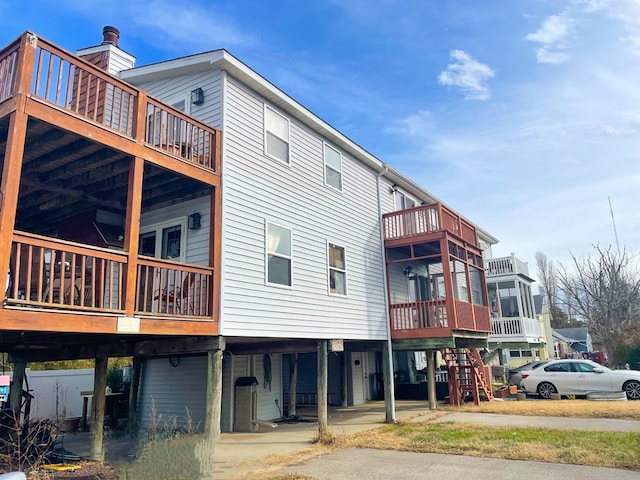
{"x": 469, "y": 377}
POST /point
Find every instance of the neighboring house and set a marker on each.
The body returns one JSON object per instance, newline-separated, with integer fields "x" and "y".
{"x": 577, "y": 339}
{"x": 313, "y": 243}
{"x": 516, "y": 329}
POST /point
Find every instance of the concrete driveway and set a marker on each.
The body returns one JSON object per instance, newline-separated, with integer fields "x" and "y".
{"x": 365, "y": 464}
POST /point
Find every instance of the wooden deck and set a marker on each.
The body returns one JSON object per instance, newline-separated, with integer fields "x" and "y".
{"x": 74, "y": 139}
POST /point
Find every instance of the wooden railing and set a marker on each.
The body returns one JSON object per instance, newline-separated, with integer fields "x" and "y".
{"x": 51, "y": 273}
{"x": 177, "y": 134}
{"x": 46, "y": 272}
{"x": 76, "y": 86}
{"x": 167, "y": 288}
{"x": 426, "y": 219}
{"x": 419, "y": 315}
{"x": 8, "y": 61}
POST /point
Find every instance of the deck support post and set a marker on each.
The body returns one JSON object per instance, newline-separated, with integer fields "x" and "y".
{"x": 206, "y": 447}
{"x": 431, "y": 379}
{"x": 387, "y": 374}
{"x": 323, "y": 366}
{"x": 15, "y": 392}
{"x": 345, "y": 377}
{"x": 293, "y": 384}
{"x": 97, "y": 409}
{"x": 133, "y": 395}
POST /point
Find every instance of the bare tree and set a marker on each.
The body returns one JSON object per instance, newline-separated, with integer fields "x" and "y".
{"x": 604, "y": 290}
{"x": 548, "y": 279}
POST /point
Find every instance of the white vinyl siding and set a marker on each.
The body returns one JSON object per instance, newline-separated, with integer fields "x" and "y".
{"x": 172, "y": 389}
{"x": 332, "y": 167}
{"x": 255, "y": 191}
{"x": 276, "y": 135}
{"x": 337, "y": 266}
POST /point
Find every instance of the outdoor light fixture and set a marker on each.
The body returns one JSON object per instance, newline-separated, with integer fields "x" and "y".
{"x": 394, "y": 188}
{"x": 193, "y": 221}
{"x": 407, "y": 270}
{"x": 197, "y": 96}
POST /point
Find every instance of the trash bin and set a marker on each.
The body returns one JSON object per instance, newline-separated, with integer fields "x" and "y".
{"x": 246, "y": 404}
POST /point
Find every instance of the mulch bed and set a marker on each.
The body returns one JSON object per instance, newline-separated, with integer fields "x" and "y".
{"x": 88, "y": 470}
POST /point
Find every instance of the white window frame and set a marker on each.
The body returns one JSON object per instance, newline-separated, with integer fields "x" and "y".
{"x": 326, "y": 165}
{"x": 159, "y": 227}
{"x": 286, "y": 140}
{"x": 267, "y": 253}
{"x": 330, "y": 268}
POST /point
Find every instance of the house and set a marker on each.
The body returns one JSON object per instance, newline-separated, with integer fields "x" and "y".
{"x": 248, "y": 255}
{"x": 516, "y": 330}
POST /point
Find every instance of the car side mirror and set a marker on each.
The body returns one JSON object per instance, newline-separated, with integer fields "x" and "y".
{"x": 598, "y": 370}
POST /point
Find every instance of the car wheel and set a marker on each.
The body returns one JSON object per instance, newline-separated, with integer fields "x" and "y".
{"x": 632, "y": 389}
{"x": 545, "y": 389}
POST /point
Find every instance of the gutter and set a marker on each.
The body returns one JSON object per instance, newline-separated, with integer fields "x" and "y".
{"x": 390, "y": 383}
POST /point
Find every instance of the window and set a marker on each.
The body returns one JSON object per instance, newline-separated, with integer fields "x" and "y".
{"x": 559, "y": 367}
{"x": 164, "y": 128}
{"x": 402, "y": 201}
{"x": 332, "y": 167}
{"x": 276, "y": 135}
{"x": 278, "y": 255}
{"x": 337, "y": 270}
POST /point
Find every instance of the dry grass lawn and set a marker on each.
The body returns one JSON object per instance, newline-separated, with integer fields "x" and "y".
{"x": 556, "y": 408}
{"x": 602, "y": 449}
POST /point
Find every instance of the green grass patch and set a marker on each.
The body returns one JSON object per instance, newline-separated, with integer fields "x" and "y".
{"x": 602, "y": 449}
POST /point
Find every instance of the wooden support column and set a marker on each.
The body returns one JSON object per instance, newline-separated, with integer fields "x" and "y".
{"x": 14, "y": 151}
{"x": 132, "y": 232}
{"x": 323, "y": 367}
{"x": 97, "y": 409}
{"x": 215, "y": 242}
{"x": 206, "y": 448}
{"x": 15, "y": 392}
{"x": 293, "y": 384}
{"x": 345, "y": 378}
{"x": 133, "y": 395}
{"x": 387, "y": 373}
{"x": 431, "y": 379}
{"x": 11, "y": 171}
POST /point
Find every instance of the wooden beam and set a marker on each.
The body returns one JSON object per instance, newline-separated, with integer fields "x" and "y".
{"x": 323, "y": 426}
{"x": 387, "y": 373}
{"x": 9, "y": 189}
{"x": 132, "y": 232}
{"x": 118, "y": 347}
{"x": 206, "y": 447}
{"x": 416, "y": 344}
{"x": 70, "y": 192}
{"x": 75, "y": 123}
{"x": 431, "y": 379}
{"x": 293, "y": 384}
{"x": 97, "y": 409}
{"x": 132, "y": 424}
{"x": 15, "y": 392}
{"x": 66, "y": 321}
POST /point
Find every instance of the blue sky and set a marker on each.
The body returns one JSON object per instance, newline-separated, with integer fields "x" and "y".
{"x": 523, "y": 115}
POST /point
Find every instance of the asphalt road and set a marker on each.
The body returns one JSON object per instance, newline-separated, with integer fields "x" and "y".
{"x": 368, "y": 464}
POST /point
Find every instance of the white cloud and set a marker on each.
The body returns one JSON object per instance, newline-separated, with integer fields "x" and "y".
{"x": 412, "y": 126}
{"x": 545, "y": 56}
{"x": 553, "y": 29}
{"x": 551, "y": 36}
{"x": 468, "y": 74}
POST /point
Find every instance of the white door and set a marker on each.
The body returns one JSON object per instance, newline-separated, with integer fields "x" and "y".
{"x": 357, "y": 378}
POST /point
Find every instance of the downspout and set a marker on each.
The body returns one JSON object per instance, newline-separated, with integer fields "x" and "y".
{"x": 390, "y": 383}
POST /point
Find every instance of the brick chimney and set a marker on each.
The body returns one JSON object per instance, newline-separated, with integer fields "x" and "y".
{"x": 110, "y": 35}
{"x": 108, "y": 55}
